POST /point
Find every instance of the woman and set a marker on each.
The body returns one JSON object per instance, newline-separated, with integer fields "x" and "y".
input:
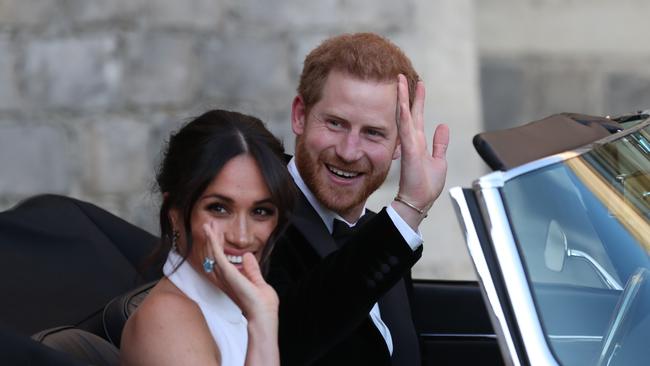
{"x": 226, "y": 195}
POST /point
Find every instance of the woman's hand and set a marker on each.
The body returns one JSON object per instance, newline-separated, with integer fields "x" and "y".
{"x": 251, "y": 293}
{"x": 256, "y": 298}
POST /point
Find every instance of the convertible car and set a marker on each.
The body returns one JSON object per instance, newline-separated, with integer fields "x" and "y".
{"x": 558, "y": 233}
{"x": 560, "y": 238}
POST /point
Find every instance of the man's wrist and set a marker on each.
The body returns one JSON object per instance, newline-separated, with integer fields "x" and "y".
{"x": 421, "y": 211}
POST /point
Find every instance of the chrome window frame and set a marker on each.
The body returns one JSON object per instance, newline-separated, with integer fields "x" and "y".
{"x": 488, "y": 287}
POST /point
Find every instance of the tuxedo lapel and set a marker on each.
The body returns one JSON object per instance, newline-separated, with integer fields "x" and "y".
{"x": 312, "y": 227}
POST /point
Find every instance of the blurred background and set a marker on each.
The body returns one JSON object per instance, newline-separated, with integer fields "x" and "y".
{"x": 91, "y": 89}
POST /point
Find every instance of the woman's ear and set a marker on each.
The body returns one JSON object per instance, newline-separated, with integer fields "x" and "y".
{"x": 172, "y": 214}
{"x": 174, "y": 218}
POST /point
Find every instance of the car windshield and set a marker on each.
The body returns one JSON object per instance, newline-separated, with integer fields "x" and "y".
{"x": 582, "y": 228}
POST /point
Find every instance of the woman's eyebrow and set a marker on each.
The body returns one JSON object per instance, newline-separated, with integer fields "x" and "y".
{"x": 218, "y": 196}
{"x": 265, "y": 200}
{"x": 230, "y": 200}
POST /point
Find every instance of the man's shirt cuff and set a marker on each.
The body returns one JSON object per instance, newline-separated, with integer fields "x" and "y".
{"x": 413, "y": 239}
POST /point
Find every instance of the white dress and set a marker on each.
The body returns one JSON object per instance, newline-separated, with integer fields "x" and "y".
{"x": 225, "y": 320}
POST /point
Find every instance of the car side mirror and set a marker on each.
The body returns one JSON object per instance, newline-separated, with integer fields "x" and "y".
{"x": 555, "y": 250}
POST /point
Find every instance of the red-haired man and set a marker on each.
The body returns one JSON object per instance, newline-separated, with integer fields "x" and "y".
{"x": 343, "y": 298}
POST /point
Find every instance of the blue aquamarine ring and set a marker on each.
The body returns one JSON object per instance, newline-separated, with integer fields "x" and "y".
{"x": 208, "y": 264}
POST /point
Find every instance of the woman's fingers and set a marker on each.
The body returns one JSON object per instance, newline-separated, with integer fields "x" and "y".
{"x": 222, "y": 267}
{"x": 214, "y": 249}
{"x": 247, "y": 288}
{"x": 252, "y": 269}
{"x": 228, "y": 271}
{"x": 209, "y": 255}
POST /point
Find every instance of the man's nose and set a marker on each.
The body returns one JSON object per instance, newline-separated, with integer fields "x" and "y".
{"x": 349, "y": 147}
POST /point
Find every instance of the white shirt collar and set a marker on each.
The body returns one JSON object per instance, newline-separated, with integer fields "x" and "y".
{"x": 325, "y": 214}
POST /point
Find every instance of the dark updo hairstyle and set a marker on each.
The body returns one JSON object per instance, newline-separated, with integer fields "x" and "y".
{"x": 196, "y": 154}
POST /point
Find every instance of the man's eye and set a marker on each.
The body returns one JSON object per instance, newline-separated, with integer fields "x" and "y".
{"x": 374, "y": 133}
{"x": 334, "y": 123}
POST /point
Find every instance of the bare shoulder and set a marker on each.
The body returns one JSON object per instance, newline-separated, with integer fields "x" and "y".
{"x": 167, "y": 328}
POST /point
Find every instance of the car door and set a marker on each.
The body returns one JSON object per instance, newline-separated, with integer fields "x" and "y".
{"x": 453, "y": 324}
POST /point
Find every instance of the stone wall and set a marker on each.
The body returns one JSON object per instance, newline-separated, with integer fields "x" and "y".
{"x": 90, "y": 89}
{"x": 539, "y": 57}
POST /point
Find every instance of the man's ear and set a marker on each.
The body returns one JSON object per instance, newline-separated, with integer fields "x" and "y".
{"x": 398, "y": 150}
{"x": 298, "y": 115}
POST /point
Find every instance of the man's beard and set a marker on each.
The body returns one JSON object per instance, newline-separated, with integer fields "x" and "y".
{"x": 341, "y": 200}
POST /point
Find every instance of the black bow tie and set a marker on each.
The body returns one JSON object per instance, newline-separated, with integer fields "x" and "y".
{"x": 342, "y": 232}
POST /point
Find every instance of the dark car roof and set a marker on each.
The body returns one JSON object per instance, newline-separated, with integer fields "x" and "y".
{"x": 506, "y": 149}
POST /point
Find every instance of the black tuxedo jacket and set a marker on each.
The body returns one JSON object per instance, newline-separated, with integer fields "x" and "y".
{"x": 326, "y": 293}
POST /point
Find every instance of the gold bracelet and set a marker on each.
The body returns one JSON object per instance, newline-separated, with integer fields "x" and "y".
{"x": 398, "y": 198}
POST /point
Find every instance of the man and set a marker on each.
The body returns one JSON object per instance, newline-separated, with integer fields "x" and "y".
{"x": 344, "y": 301}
